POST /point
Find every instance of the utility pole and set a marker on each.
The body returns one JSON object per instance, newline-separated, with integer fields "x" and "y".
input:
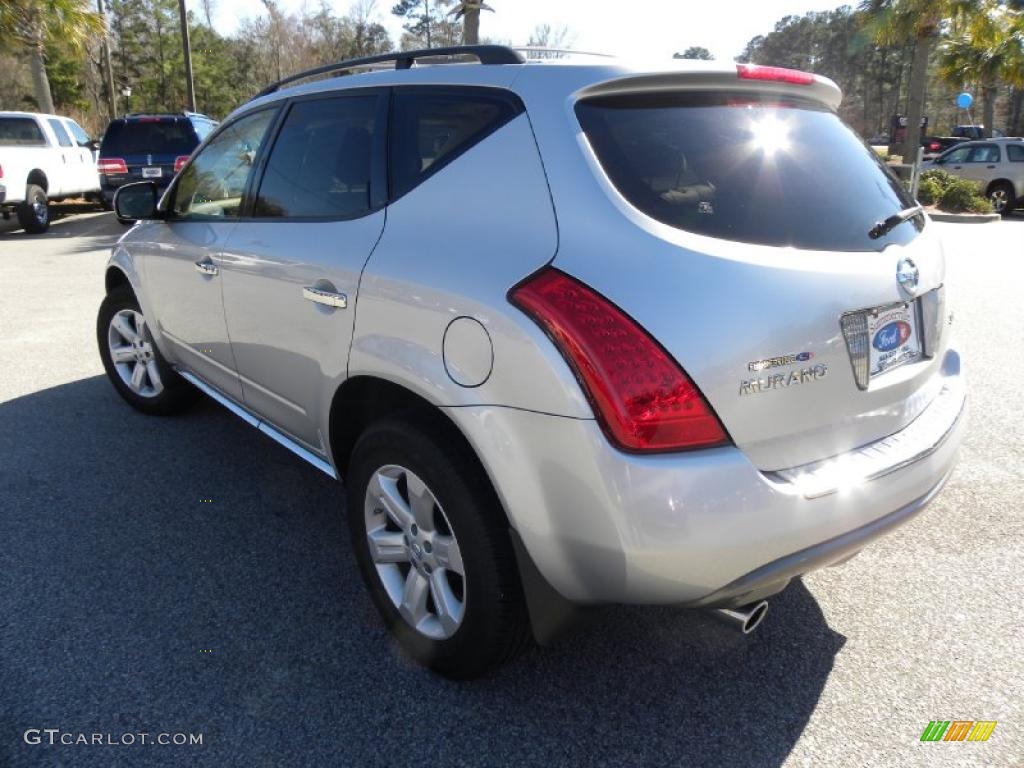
{"x": 188, "y": 56}
{"x": 426, "y": 18}
{"x": 108, "y": 71}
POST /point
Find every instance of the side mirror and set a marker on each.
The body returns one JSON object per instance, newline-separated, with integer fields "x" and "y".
{"x": 94, "y": 145}
{"x": 133, "y": 202}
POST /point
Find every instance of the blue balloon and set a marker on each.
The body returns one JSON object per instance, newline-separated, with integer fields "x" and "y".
{"x": 964, "y": 100}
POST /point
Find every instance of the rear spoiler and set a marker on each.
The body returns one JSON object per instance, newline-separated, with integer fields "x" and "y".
{"x": 742, "y": 77}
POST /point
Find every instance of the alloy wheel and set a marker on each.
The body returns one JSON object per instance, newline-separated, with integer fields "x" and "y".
{"x": 415, "y": 552}
{"x": 131, "y": 351}
{"x": 999, "y": 199}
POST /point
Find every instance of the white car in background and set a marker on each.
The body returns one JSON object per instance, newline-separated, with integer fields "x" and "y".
{"x": 997, "y": 165}
{"x": 43, "y": 158}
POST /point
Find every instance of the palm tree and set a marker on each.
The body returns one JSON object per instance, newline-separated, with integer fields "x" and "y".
{"x": 29, "y": 24}
{"x": 891, "y": 22}
{"x": 986, "y": 51}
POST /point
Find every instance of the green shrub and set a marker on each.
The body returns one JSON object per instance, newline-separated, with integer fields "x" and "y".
{"x": 962, "y": 196}
{"x": 981, "y": 204}
{"x": 940, "y": 177}
{"x": 929, "y": 191}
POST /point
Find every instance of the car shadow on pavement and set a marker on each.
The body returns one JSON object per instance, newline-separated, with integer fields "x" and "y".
{"x": 188, "y": 575}
{"x": 69, "y": 221}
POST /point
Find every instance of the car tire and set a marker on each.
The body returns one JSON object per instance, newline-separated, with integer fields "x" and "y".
{"x": 1001, "y": 195}
{"x": 34, "y": 212}
{"x": 460, "y": 625}
{"x": 139, "y": 374}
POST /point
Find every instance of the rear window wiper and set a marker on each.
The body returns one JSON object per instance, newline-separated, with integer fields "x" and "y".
{"x": 885, "y": 227}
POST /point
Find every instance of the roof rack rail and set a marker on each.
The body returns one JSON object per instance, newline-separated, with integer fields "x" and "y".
{"x": 184, "y": 112}
{"x": 487, "y": 54}
{"x": 543, "y": 49}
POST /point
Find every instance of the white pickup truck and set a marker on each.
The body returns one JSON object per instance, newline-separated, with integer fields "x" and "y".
{"x": 43, "y": 158}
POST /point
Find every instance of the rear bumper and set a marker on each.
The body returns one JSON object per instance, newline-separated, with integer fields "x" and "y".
{"x": 773, "y": 577}
{"x": 705, "y": 528}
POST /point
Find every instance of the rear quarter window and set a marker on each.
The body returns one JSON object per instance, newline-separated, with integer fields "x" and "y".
{"x": 1015, "y": 153}
{"x": 433, "y": 126}
{"x": 767, "y": 170}
{"x": 20, "y": 132}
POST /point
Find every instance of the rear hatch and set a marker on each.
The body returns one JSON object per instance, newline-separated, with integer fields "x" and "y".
{"x": 148, "y": 147}
{"x": 752, "y": 262}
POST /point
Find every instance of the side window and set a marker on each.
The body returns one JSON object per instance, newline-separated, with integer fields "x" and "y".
{"x": 433, "y": 126}
{"x": 20, "y": 132}
{"x": 320, "y": 165}
{"x": 58, "y": 129}
{"x": 203, "y": 128}
{"x": 957, "y": 156}
{"x": 80, "y": 136}
{"x": 1015, "y": 152}
{"x": 211, "y": 186}
{"x": 984, "y": 153}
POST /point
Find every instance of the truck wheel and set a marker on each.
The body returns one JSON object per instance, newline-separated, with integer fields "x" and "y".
{"x": 34, "y": 213}
{"x": 433, "y": 547}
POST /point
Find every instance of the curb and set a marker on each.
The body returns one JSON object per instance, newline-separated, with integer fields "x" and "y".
{"x": 964, "y": 218}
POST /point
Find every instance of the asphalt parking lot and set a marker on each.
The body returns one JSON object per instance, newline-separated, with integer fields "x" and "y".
{"x": 129, "y": 603}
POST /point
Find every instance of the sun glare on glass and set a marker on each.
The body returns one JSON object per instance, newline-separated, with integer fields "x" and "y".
{"x": 769, "y": 135}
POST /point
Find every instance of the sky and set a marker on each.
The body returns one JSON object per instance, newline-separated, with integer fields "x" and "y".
{"x": 723, "y": 27}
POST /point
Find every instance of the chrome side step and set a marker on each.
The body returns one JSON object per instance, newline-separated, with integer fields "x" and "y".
{"x": 261, "y": 425}
{"x": 297, "y": 449}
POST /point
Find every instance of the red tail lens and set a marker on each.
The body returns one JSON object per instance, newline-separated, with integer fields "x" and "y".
{"x": 935, "y": 146}
{"x": 641, "y": 396}
{"x": 775, "y": 74}
{"x": 179, "y": 162}
{"x": 1, "y": 171}
{"x": 111, "y": 165}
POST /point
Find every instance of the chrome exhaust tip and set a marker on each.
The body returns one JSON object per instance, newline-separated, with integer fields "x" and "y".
{"x": 745, "y": 619}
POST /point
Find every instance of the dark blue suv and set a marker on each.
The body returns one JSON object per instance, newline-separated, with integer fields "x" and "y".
{"x": 148, "y": 147}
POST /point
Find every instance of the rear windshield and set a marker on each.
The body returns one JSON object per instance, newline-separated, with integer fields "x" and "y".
{"x": 149, "y": 137}
{"x": 766, "y": 170}
{"x": 20, "y": 132}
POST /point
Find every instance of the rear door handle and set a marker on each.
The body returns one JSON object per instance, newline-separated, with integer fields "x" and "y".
{"x": 206, "y": 268}
{"x": 990, "y": 167}
{"x": 327, "y": 298}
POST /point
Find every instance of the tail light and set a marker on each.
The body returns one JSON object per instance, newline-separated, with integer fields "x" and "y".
{"x": 935, "y": 146}
{"x": 1, "y": 171}
{"x": 642, "y": 398}
{"x": 111, "y": 165}
{"x": 179, "y": 162}
{"x": 774, "y": 74}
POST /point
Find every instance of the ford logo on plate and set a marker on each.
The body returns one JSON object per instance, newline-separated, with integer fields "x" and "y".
{"x": 891, "y": 336}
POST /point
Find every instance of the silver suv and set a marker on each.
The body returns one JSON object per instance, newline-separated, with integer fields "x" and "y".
{"x": 571, "y": 332}
{"x": 997, "y": 165}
